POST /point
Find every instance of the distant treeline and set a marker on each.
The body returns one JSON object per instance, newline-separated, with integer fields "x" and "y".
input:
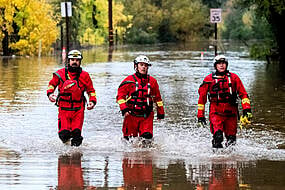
{"x": 28, "y": 25}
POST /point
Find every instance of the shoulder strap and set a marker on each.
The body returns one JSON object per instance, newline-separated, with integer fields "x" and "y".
{"x": 126, "y": 82}
{"x": 66, "y": 73}
{"x": 137, "y": 83}
{"x": 134, "y": 78}
{"x": 60, "y": 78}
{"x": 230, "y": 83}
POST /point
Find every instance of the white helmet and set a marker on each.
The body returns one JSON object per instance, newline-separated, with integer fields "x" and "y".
{"x": 142, "y": 59}
{"x": 74, "y": 54}
{"x": 220, "y": 58}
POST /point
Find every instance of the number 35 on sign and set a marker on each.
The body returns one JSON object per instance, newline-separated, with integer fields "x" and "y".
{"x": 215, "y": 15}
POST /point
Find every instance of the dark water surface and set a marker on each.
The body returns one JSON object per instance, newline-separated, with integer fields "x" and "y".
{"x": 32, "y": 156}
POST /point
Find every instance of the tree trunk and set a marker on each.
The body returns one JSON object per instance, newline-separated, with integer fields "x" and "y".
{"x": 5, "y": 43}
{"x": 277, "y": 21}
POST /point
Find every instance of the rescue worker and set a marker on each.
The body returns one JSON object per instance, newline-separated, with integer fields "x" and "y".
{"x": 136, "y": 95}
{"x": 72, "y": 82}
{"x": 222, "y": 88}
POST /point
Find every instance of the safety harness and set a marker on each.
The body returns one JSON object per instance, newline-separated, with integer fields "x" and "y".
{"x": 140, "y": 101}
{"x": 222, "y": 95}
{"x": 70, "y": 97}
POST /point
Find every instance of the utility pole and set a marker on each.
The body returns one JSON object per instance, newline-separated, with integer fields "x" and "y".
{"x": 111, "y": 38}
{"x": 66, "y": 11}
{"x": 66, "y": 24}
{"x": 216, "y": 39}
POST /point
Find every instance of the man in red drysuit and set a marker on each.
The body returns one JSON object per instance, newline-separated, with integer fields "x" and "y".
{"x": 222, "y": 87}
{"x": 72, "y": 82}
{"x": 136, "y": 95}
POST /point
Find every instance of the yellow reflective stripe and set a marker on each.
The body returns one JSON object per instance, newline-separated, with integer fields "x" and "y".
{"x": 159, "y": 104}
{"x": 121, "y": 101}
{"x": 50, "y": 87}
{"x": 201, "y": 106}
{"x": 93, "y": 94}
{"x": 128, "y": 98}
{"x": 245, "y": 100}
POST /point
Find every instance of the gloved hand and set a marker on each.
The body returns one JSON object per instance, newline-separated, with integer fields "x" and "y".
{"x": 245, "y": 118}
{"x": 91, "y": 105}
{"x": 52, "y": 97}
{"x": 247, "y": 113}
{"x": 160, "y": 116}
{"x": 202, "y": 122}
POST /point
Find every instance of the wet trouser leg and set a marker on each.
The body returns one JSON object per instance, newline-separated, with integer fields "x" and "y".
{"x": 231, "y": 130}
{"x": 130, "y": 126}
{"x": 70, "y": 125}
{"x": 138, "y": 126}
{"x": 217, "y": 139}
{"x": 231, "y": 140}
{"x": 64, "y": 135}
{"x": 146, "y": 135}
{"x": 217, "y": 126}
{"x": 76, "y": 137}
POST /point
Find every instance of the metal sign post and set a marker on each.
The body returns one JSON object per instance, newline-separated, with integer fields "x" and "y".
{"x": 215, "y": 17}
{"x": 66, "y": 11}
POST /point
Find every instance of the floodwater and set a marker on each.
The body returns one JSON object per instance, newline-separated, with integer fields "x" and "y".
{"x": 32, "y": 156}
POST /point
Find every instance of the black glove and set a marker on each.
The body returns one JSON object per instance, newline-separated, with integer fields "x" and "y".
{"x": 125, "y": 110}
{"x": 245, "y": 118}
{"x": 247, "y": 113}
{"x": 202, "y": 121}
{"x": 160, "y": 116}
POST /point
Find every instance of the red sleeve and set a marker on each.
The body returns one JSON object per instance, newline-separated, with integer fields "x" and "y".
{"x": 203, "y": 91}
{"x": 52, "y": 84}
{"x": 124, "y": 90}
{"x": 241, "y": 92}
{"x": 157, "y": 98}
{"x": 90, "y": 88}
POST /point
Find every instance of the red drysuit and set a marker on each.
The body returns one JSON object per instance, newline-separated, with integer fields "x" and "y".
{"x": 222, "y": 92}
{"x": 137, "y": 95}
{"x": 71, "y": 100}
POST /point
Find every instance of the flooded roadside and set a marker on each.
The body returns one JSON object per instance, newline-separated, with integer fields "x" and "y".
{"x": 32, "y": 156}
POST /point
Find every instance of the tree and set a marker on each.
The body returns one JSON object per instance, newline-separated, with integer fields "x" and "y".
{"x": 274, "y": 12}
{"x": 186, "y": 18}
{"x": 8, "y": 10}
{"x": 165, "y": 21}
{"x": 144, "y": 23}
{"x": 35, "y": 25}
{"x": 94, "y": 21}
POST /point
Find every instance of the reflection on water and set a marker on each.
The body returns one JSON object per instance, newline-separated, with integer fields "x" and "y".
{"x": 137, "y": 172}
{"x": 70, "y": 172}
{"x": 32, "y": 156}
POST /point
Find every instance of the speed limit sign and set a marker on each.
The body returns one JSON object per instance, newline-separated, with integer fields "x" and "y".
{"x": 215, "y": 15}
